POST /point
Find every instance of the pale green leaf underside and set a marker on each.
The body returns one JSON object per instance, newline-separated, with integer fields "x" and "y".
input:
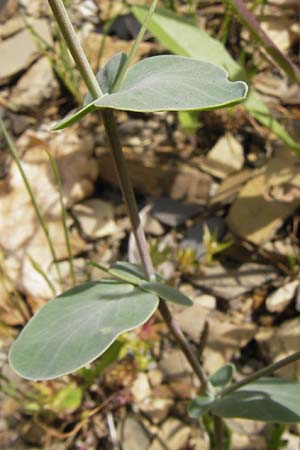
{"x": 133, "y": 273}
{"x": 174, "y": 83}
{"x": 73, "y": 118}
{"x": 162, "y": 83}
{"x": 267, "y": 400}
{"x": 77, "y": 327}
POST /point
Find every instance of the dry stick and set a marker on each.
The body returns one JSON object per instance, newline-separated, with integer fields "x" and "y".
{"x": 86, "y": 72}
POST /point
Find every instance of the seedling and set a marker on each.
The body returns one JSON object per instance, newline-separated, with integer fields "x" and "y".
{"x": 79, "y": 325}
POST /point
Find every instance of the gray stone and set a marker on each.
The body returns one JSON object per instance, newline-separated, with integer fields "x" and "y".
{"x": 35, "y": 87}
{"x": 20, "y": 50}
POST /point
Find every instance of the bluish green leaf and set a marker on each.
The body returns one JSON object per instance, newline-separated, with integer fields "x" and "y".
{"x": 200, "y": 405}
{"x": 166, "y": 292}
{"x": 174, "y": 83}
{"x": 267, "y": 400}
{"x": 132, "y": 273}
{"x": 77, "y": 327}
{"x": 106, "y": 78}
{"x": 184, "y": 38}
{"x": 73, "y": 118}
{"x": 223, "y": 376}
{"x": 108, "y": 75}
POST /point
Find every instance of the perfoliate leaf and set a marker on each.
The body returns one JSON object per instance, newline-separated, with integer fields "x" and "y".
{"x": 166, "y": 292}
{"x": 200, "y": 405}
{"x": 106, "y": 78}
{"x": 77, "y": 327}
{"x": 73, "y": 118}
{"x": 108, "y": 75}
{"x": 174, "y": 83}
{"x": 267, "y": 400}
{"x": 223, "y": 376}
{"x": 131, "y": 273}
{"x": 185, "y": 38}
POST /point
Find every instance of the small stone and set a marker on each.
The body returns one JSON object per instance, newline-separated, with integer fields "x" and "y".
{"x": 11, "y": 27}
{"x": 206, "y": 300}
{"x": 96, "y": 218}
{"x": 173, "y": 435}
{"x": 141, "y": 388}
{"x": 133, "y": 435}
{"x": 226, "y": 157}
{"x": 278, "y": 300}
{"x": 24, "y": 49}
{"x": 35, "y": 87}
{"x": 157, "y": 409}
{"x": 155, "y": 377}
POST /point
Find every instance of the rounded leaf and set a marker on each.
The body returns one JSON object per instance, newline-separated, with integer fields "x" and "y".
{"x": 77, "y": 327}
{"x": 200, "y": 405}
{"x": 267, "y": 400}
{"x": 223, "y": 376}
{"x": 174, "y": 83}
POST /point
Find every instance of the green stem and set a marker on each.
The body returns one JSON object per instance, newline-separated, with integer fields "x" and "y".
{"x": 260, "y": 373}
{"x": 40, "y": 217}
{"x": 67, "y": 30}
{"x": 63, "y": 216}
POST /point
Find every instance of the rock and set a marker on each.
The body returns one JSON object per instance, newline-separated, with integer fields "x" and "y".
{"x": 155, "y": 377}
{"x": 281, "y": 30}
{"x": 231, "y": 186}
{"x": 20, "y": 232}
{"x": 193, "y": 238}
{"x": 133, "y": 434}
{"x": 165, "y": 177}
{"x": 278, "y": 342}
{"x": 206, "y": 301}
{"x": 247, "y": 434}
{"x": 174, "y": 212}
{"x": 11, "y": 27}
{"x": 226, "y": 336}
{"x": 257, "y": 214}
{"x": 233, "y": 282}
{"x": 174, "y": 364}
{"x": 10, "y": 313}
{"x": 278, "y": 300}
{"x": 23, "y": 48}
{"x": 35, "y": 87}
{"x": 191, "y": 320}
{"x": 225, "y": 158}
{"x": 172, "y": 435}
{"x": 157, "y": 409}
{"x": 96, "y": 218}
{"x": 7, "y": 9}
{"x": 141, "y": 388}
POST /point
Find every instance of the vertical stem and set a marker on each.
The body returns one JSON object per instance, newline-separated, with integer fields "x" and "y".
{"x": 69, "y": 34}
{"x": 218, "y": 426}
